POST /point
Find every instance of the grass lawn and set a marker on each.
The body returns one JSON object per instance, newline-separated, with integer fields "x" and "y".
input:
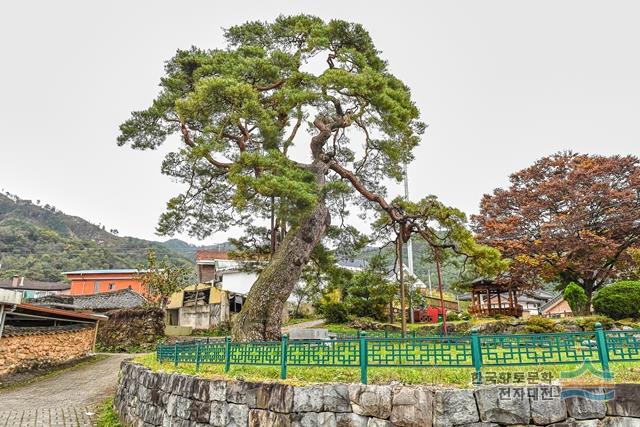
{"x": 461, "y": 377}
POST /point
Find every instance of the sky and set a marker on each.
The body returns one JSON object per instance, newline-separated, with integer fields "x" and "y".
{"x": 500, "y": 84}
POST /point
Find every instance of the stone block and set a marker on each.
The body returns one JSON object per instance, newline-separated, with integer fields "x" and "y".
{"x": 237, "y": 415}
{"x": 281, "y": 398}
{"x": 411, "y": 406}
{"x": 313, "y": 419}
{"x": 183, "y": 407}
{"x": 218, "y": 390}
{"x": 148, "y": 378}
{"x": 164, "y": 382}
{"x": 370, "y": 400}
{"x": 349, "y": 419}
{"x": 503, "y": 405}
{"x": 308, "y": 334}
{"x": 584, "y": 423}
{"x": 260, "y": 417}
{"x": 201, "y": 389}
{"x": 547, "y": 407}
{"x": 583, "y": 408}
{"x": 335, "y": 398}
{"x": 621, "y": 422}
{"x": 254, "y": 395}
{"x": 182, "y": 385}
{"x": 453, "y": 407}
{"x": 377, "y": 422}
{"x": 307, "y": 399}
{"x": 144, "y": 394}
{"x": 218, "y": 413}
{"x": 171, "y": 404}
{"x": 151, "y": 414}
{"x": 626, "y": 401}
{"x": 200, "y": 411}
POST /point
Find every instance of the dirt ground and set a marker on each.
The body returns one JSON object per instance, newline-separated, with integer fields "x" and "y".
{"x": 66, "y": 399}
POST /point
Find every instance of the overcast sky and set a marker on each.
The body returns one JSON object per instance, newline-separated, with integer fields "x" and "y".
{"x": 500, "y": 83}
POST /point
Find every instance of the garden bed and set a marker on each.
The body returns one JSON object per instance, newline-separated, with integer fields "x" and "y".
{"x": 622, "y": 372}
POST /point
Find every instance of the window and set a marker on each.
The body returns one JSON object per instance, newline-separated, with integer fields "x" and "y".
{"x": 96, "y": 286}
{"x": 112, "y": 286}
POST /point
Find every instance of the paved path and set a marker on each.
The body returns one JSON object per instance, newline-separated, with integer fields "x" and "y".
{"x": 67, "y": 399}
{"x": 309, "y": 324}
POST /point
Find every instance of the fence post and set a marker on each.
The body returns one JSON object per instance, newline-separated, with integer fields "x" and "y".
{"x": 603, "y": 350}
{"x": 283, "y": 356}
{"x": 175, "y": 354}
{"x": 476, "y": 356}
{"x": 227, "y": 353}
{"x": 197, "y": 356}
{"x": 363, "y": 356}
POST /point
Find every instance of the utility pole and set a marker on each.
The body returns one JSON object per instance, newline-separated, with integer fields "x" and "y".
{"x": 409, "y": 243}
{"x": 402, "y": 288}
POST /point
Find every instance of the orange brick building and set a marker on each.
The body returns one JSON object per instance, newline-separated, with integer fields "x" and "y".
{"x": 85, "y": 282}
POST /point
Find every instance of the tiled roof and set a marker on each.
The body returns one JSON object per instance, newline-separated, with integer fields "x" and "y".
{"x": 15, "y": 331}
{"x": 207, "y": 255}
{"x": 113, "y": 271}
{"x": 123, "y": 298}
{"x": 36, "y": 285}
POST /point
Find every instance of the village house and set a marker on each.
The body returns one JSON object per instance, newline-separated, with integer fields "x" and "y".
{"x": 35, "y": 336}
{"x": 86, "y": 282}
{"x": 556, "y": 307}
{"x": 220, "y": 292}
{"x": 97, "y": 303}
{"x": 30, "y": 289}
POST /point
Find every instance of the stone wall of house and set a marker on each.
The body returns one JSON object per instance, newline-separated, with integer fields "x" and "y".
{"x": 28, "y": 348}
{"x": 131, "y": 329}
{"x": 162, "y": 399}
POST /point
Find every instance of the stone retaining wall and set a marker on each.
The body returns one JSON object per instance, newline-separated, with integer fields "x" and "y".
{"x": 28, "y": 348}
{"x": 144, "y": 398}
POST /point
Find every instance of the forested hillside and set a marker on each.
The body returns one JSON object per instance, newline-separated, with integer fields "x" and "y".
{"x": 40, "y": 242}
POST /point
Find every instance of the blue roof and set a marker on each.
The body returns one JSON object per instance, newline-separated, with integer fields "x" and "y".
{"x": 120, "y": 270}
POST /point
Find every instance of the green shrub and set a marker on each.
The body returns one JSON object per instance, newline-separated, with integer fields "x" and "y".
{"x": 588, "y": 323}
{"x": 335, "y": 312}
{"x": 453, "y": 316}
{"x": 540, "y": 325}
{"x": 619, "y": 300}
{"x": 577, "y": 298}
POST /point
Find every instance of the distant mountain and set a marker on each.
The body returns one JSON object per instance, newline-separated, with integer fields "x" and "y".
{"x": 189, "y": 250}
{"x": 40, "y": 242}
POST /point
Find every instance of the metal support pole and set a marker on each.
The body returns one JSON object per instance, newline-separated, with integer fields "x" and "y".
{"x": 603, "y": 351}
{"x": 197, "y": 356}
{"x": 283, "y": 356}
{"x": 363, "y": 357}
{"x": 227, "y": 353}
{"x": 476, "y": 356}
{"x": 2, "y": 317}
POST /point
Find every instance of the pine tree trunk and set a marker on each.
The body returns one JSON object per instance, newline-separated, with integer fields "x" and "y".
{"x": 261, "y": 315}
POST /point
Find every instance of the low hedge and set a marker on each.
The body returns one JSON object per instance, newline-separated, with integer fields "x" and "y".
{"x": 619, "y": 300}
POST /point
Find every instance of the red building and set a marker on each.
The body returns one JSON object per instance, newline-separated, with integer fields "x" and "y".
{"x": 85, "y": 282}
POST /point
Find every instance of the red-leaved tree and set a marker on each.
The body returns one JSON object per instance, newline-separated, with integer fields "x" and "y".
{"x": 567, "y": 218}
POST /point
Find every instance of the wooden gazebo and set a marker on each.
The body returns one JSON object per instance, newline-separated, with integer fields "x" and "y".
{"x": 489, "y": 298}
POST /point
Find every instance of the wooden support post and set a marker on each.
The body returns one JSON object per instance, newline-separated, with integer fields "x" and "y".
{"x": 95, "y": 337}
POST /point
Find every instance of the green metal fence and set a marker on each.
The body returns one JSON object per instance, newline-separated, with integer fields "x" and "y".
{"x": 472, "y": 351}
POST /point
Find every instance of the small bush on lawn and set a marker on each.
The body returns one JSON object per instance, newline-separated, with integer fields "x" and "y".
{"x": 589, "y": 323}
{"x": 619, "y": 301}
{"x": 540, "y": 325}
{"x": 335, "y": 312}
{"x": 577, "y": 299}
